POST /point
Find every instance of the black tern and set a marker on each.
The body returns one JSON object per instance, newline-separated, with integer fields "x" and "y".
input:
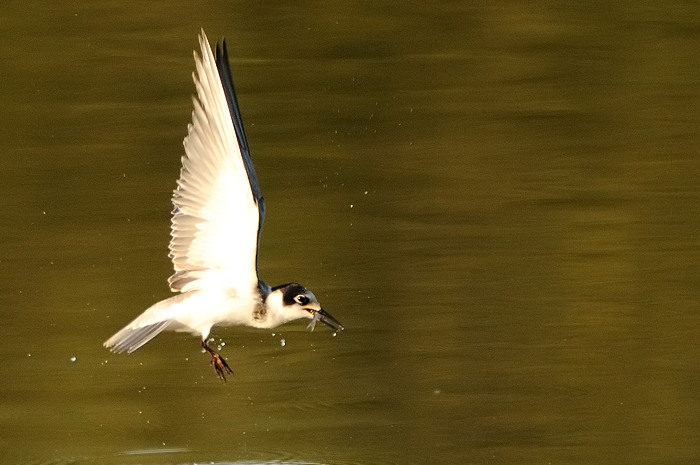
{"x": 217, "y": 220}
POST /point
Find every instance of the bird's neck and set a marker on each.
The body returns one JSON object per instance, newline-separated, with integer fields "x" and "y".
{"x": 264, "y": 289}
{"x": 271, "y": 313}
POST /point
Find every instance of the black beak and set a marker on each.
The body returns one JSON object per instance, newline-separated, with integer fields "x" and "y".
{"x": 328, "y": 320}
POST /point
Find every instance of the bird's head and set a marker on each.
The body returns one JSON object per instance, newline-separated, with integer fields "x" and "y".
{"x": 293, "y": 301}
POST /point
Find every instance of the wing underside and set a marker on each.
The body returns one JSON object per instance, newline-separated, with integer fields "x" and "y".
{"x": 218, "y": 207}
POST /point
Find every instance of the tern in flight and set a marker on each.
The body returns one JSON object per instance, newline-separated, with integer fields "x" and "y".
{"x": 216, "y": 225}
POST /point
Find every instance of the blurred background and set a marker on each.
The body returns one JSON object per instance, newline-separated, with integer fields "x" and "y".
{"x": 500, "y": 201}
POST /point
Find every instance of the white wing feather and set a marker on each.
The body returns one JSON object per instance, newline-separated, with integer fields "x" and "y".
{"x": 215, "y": 221}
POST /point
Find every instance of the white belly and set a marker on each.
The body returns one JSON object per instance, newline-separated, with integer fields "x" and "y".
{"x": 198, "y": 311}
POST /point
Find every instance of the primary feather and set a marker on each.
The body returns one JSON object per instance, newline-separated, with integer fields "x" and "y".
{"x": 217, "y": 216}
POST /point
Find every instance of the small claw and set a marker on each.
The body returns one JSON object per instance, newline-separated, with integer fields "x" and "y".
{"x": 220, "y": 367}
{"x": 217, "y": 361}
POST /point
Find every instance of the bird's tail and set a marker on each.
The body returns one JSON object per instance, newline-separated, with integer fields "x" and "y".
{"x": 131, "y": 337}
{"x": 146, "y": 326}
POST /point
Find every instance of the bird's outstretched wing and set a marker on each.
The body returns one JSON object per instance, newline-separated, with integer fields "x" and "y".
{"x": 218, "y": 210}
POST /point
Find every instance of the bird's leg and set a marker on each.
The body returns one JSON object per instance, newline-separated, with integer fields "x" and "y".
{"x": 218, "y": 362}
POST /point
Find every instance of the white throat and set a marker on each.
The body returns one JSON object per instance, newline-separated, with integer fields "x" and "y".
{"x": 276, "y": 313}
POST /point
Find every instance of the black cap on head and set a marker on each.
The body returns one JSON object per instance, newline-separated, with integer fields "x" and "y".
{"x": 290, "y": 291}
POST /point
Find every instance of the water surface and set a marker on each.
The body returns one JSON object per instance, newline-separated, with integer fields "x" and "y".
{"x": 500, "y": 203}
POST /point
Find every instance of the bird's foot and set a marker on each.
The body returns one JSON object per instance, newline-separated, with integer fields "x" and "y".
{"x": 220, "y": 366}
{"x": 217, "y": 361}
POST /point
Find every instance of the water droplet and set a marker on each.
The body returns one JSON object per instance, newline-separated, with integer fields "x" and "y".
{"x": 283, "y": 342}
{"x": 73, "y": 359}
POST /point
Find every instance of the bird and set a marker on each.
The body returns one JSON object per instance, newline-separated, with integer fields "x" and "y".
{"x": 216, "y": 225}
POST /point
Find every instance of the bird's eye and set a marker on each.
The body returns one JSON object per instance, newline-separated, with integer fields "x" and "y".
{"x": 302, "y": 299}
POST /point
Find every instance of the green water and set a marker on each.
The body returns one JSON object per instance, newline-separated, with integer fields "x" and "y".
{"x": 500, "y": 203}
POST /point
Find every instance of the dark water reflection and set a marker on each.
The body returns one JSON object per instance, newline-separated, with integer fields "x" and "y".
{"x": 499, "y": 203}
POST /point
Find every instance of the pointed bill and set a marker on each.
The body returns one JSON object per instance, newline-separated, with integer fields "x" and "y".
{"x": 325, "y": 318}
